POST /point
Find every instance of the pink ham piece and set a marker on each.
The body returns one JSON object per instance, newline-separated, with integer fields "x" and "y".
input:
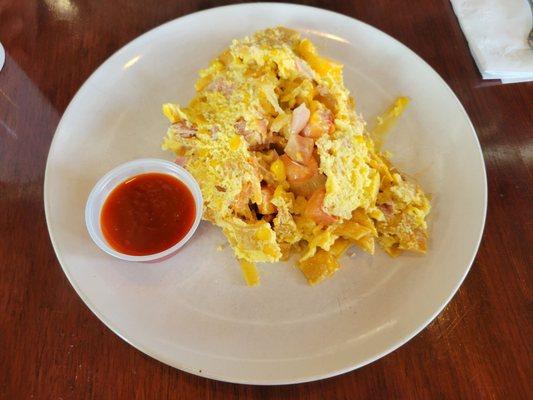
{"x": 257, "y": 139}
{"x": 184, "y": 129}
{"x": 386, "y": 209}
{"x": 220, "y": 85}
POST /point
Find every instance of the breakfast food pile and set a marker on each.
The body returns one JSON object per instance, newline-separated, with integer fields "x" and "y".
{"x": 285, "y": 164}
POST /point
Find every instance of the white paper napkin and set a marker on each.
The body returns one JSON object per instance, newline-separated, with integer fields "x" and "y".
{"x": 497, "y": 31}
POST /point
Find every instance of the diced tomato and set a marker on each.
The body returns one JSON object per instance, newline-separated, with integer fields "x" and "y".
{"x": 308, "y": 187}
{"x": 299, "y": 148}
{"x": 315, "y": 211}
{"x": 299, "y": 173}
{"x": 320, "y": 123}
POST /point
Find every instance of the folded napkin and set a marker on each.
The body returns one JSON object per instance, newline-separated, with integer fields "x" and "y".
{"x": 497, "y": 32}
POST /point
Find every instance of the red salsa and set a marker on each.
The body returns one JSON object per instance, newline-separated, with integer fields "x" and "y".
{"x": 147, "y": 214}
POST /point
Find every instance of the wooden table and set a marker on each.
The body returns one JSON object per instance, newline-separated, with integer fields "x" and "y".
{"x": 53, "y": 347}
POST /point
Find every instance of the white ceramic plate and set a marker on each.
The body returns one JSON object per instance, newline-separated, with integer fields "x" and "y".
{"x": 194, "y": 311}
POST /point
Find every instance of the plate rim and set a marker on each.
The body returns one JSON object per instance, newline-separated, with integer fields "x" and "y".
{"x": 268, "y": 382}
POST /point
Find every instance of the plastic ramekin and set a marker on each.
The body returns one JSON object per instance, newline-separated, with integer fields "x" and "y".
{"x": 118, "y": 175}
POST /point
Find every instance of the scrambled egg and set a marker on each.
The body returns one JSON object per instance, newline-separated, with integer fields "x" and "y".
{"x": 285, "y": 164}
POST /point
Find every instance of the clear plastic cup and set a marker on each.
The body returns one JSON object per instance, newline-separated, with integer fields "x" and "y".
{"x": 118, "y": 175}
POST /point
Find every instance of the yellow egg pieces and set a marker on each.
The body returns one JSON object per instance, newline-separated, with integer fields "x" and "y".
{"x": 285, "y": 164}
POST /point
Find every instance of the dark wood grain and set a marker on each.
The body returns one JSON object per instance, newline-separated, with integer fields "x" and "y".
{"x": 53, "y": 347}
